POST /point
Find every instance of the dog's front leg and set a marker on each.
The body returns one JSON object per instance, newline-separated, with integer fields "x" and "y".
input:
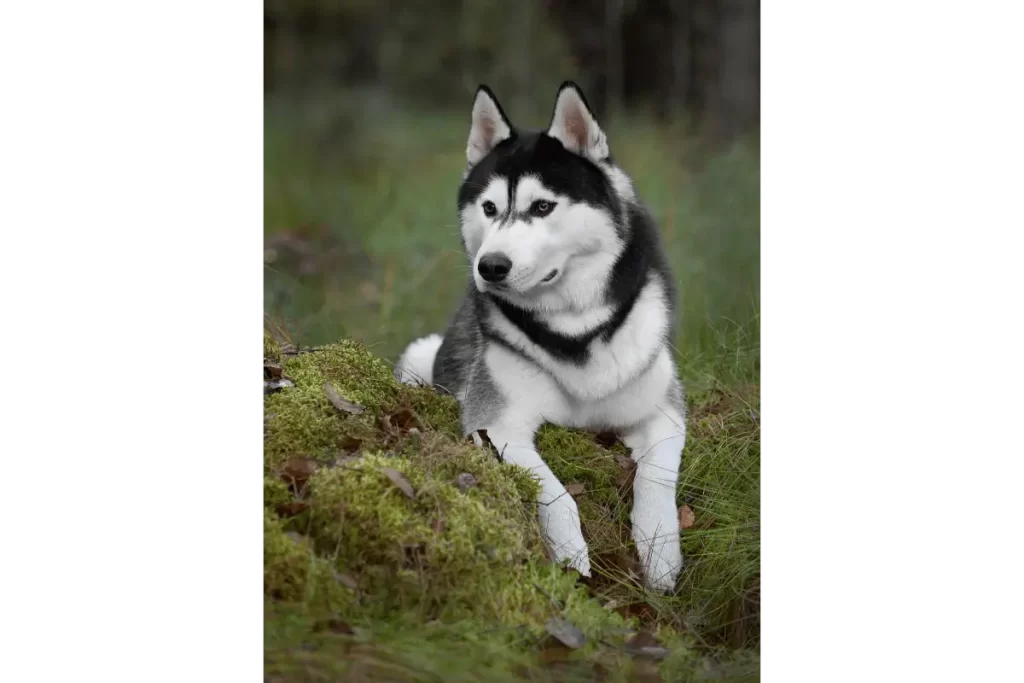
{"x": 559, "y": 515}
{"x": 657, "y": 447}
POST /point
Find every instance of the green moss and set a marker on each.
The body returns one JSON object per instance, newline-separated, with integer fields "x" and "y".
{"x": 453, "y": 582}
{"x": 275, "y": 492}
{"x": 293, "y": 573}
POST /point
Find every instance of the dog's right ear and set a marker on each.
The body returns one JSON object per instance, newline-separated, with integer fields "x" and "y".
{"x": 488, "y": 128}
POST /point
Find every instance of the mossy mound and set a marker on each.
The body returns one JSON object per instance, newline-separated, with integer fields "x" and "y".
{"x": 396, "y": 550}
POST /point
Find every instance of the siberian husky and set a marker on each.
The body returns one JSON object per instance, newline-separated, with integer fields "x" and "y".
{"x": 567, "y": 319}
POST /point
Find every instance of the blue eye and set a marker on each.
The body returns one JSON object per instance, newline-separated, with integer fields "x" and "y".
{"x": 490, "y": 209}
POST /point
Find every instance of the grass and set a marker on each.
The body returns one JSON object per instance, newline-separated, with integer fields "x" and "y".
{"x": 365, "y": 583}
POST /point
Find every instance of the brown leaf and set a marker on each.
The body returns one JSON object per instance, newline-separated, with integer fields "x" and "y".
{"x": 346, "y": 580}
{"x": 293, "y": 508}
{"x": 566, "y": 633}
{"x": 606, "y": 439}
{"x": 575, "y": 489}
{"x": 350, "y": 444}
{"x": 342, "y": 404}
{"x": 271, "y": 371}
{"x": 686, "y": 517}
{"x": 399, "y": 480}
{"x": 297, "y": 471}
{"x": 465, "y": 481}
{"x": 438, "y": 526}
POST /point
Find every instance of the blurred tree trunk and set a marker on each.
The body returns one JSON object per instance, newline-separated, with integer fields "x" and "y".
{"x": 682, "y": 59}
{"x": 704, "y": 22}
{"x": 738, "y": 93}
{"x": 525, "y": 64}
{"x": 614, "y": 10}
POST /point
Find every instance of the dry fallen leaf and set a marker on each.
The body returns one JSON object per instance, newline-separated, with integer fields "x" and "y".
{"x": 297, "y": 471}
{"x": 566, "y": 633}
{"x": 342, "y": 404}
{"x": 438, "y": 526}
{"x": 399, "y": 480}
{"x": 271, "y": 371}
{"x": 575, "y": 489}
{"x": 686, "y": 517}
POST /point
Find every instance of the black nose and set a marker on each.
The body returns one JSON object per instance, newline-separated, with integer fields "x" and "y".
{"x": 494, "y": 267}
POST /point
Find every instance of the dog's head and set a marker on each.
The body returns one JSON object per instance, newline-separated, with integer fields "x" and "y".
{"x": 542, "y": 212}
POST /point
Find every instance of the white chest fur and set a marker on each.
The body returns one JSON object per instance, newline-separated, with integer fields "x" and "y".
{"x": 612, "y": 364}
{"x": 623, "y": 381}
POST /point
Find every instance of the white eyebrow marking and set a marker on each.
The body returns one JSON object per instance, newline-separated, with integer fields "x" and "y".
{"x": 528, "y": 190}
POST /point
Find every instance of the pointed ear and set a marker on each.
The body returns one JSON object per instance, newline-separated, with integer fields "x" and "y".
{"x": 489, "y": 126}
{"x": 574, "y": 125}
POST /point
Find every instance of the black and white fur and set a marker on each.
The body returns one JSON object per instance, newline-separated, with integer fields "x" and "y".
{"x": 567, "y": 319}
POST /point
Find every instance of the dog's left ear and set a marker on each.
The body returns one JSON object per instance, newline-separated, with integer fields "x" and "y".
{"x": 574, "y": 125}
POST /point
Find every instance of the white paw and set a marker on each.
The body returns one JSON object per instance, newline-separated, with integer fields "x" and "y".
{"x": 560, "y": 522}
{"x": 662, "y": 561}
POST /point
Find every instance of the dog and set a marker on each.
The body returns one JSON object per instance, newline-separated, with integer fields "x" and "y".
{"x": 567, "y": 319}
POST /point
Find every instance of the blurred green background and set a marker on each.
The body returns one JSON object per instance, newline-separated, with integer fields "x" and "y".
{"x": 366, "y": 117}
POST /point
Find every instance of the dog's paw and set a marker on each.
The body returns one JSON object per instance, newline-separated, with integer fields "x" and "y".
{"x": 662, "y": 563}
{"x": 580, "y": 562}
{"x": 560, "y": 521}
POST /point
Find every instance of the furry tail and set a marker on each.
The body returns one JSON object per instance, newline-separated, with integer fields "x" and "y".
{"x": 416, "y": 366}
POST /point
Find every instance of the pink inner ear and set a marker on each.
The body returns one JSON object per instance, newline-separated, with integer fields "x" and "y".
{"x": 576, "y": 128}
{"x": 487, "y": 130}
